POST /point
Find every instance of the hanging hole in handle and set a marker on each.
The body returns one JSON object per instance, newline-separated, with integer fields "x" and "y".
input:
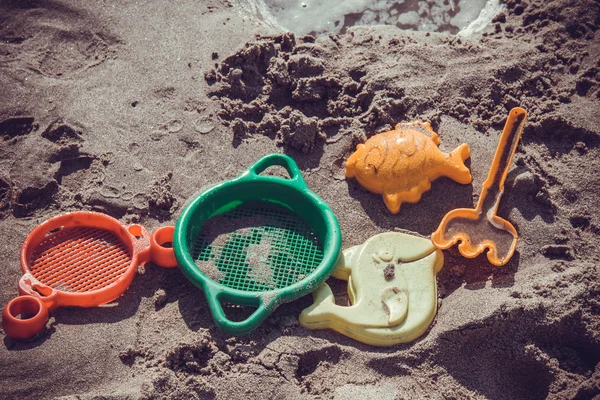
{"x": 295, "y": 175}
{"x": 23, "y": 317}
{"x": 277, "y": 159}
{"x": 136, "y": 231}
{"x": 276, "y": 170}
{"x": 236, "y": 312}
{"x": 217, "y": 302}
{"x": 161, "y": 246}
{"x": 24, "y": 307}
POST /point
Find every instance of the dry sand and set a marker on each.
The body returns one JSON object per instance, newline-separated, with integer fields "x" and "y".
{"x": 107, "y": 106}
{"x": 259, "y": 268}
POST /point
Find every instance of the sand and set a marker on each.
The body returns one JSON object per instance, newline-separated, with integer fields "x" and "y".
{"x": 259, "y": 268}
{"x": 131, "y": 107}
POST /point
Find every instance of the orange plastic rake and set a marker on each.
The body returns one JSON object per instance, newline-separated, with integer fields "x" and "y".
{"x": 481, "y": 228}
{"x": 83, "y": 259}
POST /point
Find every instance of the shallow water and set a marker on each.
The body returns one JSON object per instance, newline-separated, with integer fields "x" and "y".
{"x": 323, "y": 16}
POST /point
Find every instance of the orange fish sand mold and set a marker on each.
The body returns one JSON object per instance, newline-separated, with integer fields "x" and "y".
{"x": 401, "y": 164}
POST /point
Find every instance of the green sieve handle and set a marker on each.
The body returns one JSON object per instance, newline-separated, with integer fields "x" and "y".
{"x": 214, "y": 297}
{"x": 283, "y": 161}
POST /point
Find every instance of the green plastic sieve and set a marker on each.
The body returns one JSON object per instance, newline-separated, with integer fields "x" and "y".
{"x": 257, "y": 241}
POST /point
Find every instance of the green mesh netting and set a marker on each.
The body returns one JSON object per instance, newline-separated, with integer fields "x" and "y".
{"x": 257, "y": 248}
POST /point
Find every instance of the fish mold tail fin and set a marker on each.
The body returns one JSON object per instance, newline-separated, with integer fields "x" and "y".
{"x": 459, "y": 171}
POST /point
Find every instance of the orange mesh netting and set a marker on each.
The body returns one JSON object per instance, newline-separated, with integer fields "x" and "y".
{"x": 80, "y": 259}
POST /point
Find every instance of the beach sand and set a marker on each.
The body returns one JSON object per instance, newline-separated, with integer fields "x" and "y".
{"x": 131, "y": 107}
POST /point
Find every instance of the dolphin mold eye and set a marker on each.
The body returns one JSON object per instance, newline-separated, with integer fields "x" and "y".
{"x": 386, "y": 255}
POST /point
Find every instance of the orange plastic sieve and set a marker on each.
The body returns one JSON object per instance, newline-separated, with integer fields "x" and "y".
{"x": 83, "y": 259}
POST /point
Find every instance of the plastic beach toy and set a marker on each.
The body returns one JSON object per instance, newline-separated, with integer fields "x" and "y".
{"x": 480, "y": 228}
{"x": 401, "y": 164}
{"x": 391, "y": 285}
{"x": 83, "y": 259}
{"x": 257, "y": 241}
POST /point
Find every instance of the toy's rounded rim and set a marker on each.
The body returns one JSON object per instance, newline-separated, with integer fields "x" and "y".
{"x": 125, "y": 234}
{"x": 331, "y": 245}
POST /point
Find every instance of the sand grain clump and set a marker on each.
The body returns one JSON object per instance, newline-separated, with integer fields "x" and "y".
{"x": 210, "y": 269}
{"x": 259, "y": 267}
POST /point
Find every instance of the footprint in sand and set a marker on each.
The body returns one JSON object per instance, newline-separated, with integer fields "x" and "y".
{"x": 110, "y": 192}
{"x": 204, "y": 125}
{"x": 140, "y": 201}
{"x": 16, "y": 126}
{"x": 134, "y": 148}
{"x": 174, "y": 126}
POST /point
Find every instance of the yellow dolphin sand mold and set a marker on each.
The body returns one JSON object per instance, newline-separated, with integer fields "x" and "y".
{"x": 391, "y": 285}
{"x": 401, "y": 164}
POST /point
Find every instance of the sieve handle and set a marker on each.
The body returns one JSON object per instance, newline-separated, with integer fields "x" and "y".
{"x": 19, "y": 328}
{"x": 161, "y": 247}
{"x": 214, "y": 298}
{"x": 281, "y": 160}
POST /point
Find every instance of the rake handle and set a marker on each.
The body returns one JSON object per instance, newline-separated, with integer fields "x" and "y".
{"x": 493, "y": 187}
